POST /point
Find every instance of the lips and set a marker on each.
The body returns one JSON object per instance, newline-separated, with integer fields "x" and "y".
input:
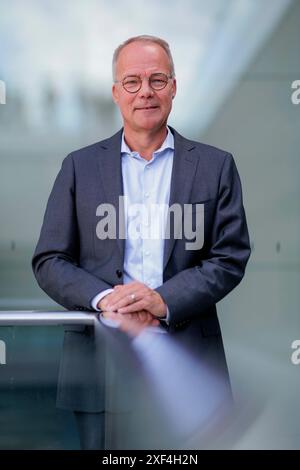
{"x": 146, "y": 108}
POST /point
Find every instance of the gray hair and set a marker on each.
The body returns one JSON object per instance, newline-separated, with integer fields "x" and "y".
{"x": 143, "y": 38}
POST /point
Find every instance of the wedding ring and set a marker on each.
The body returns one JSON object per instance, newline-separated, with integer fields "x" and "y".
{"x": 132, "y": 297}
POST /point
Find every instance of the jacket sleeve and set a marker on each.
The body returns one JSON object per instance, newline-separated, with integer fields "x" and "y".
{"x": 55, "y": 261}
{"x": 194, "y": 290}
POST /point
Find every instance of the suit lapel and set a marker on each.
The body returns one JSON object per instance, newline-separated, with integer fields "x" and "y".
{"x": 111, "y": 176}
{"x": 183, "y": 172}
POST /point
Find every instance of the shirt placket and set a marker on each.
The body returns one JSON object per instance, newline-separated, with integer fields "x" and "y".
{"x": 147, "y": 243}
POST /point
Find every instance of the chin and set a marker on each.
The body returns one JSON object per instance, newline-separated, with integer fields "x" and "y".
{"x": 149, "y": 124}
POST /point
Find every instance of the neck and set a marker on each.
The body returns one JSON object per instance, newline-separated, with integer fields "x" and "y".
{"x": 145, "y": 142}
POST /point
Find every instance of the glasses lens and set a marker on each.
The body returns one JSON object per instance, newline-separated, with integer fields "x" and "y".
{"x": 132, "y": 84}
{"x": 158, "y": 81}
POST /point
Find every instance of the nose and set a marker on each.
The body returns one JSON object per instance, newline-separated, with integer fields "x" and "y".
{"x": 145, "y": 90}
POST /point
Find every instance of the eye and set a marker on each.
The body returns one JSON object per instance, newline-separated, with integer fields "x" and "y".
{"x": 132, "y": 81}
{"x": 159, "y": 81}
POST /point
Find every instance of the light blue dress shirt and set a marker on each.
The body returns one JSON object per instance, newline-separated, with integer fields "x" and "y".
{"x": 147, "y": 191}
{"x": 146, "y": 187}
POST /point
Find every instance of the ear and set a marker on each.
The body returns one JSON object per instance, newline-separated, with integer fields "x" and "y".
{"x": 115, "y": 93}
{"x": 174, "y": 88}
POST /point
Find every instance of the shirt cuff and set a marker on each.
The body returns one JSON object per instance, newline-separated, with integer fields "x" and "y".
{"x": 98, "y": 297}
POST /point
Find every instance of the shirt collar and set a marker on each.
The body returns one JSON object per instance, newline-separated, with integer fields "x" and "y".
{"x": 168, "y": 143}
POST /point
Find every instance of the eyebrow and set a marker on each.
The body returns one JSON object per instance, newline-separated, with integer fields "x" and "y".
{"x": 139, "y": 76}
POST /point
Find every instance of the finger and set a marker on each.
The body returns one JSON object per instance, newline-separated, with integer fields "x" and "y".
{"x": 141, "y": 316}
{"x": 149, "y": 316}
{"x": 107, "y": 314}
{"x": 120, "y": 292}
{"x": 134, "y": 307}
{"x": 131, "y": 324}
{"x": 124, "y": 289}
{"x": 116, "y": 317}
{"x": 144, "y": 316}
{"x": 124, "y": 298}
{"x": 104, "y": 303}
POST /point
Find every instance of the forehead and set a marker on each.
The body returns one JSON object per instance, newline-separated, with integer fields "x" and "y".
{"x": 142, "y": 58}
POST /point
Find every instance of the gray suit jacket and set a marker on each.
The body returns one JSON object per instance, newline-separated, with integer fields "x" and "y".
{"x": 72, "y": 265}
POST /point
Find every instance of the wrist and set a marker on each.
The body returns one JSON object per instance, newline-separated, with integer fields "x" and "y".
{"x": 164, "y": 311}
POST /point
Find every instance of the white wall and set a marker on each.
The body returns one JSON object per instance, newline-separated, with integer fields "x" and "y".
{"x": 261, "y": 127}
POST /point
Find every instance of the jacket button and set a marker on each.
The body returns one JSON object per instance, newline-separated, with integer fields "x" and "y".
{"x": 119, "y": 273}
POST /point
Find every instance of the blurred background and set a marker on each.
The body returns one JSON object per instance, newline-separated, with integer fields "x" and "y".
{"x": 235, "y": 62}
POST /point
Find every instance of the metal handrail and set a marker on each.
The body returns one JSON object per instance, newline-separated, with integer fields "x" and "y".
{"x": 40, "y": 318}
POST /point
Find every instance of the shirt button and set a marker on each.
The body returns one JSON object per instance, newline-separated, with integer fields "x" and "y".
{"x": 147, "y": 253}
{"x": 147, "y": 194}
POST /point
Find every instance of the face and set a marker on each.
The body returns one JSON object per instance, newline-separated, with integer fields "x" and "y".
{"x": 147, "y": 109}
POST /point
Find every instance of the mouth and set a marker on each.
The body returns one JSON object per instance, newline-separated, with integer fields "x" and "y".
{"x": 146, "y": 108}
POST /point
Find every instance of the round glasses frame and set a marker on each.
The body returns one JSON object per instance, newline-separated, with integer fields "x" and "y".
{"x": 157, "y": 81}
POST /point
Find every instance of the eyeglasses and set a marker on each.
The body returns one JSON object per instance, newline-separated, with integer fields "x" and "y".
{"x": 133, "y": 83}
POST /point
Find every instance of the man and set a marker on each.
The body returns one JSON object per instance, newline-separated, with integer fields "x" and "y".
{"x": 140, "y": 281}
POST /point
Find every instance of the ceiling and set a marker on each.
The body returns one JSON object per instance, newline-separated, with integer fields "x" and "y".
{"x": 70, "y": 44}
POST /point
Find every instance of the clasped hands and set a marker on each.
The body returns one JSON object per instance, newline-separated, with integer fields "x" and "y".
{"x": 134, "y": 306}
